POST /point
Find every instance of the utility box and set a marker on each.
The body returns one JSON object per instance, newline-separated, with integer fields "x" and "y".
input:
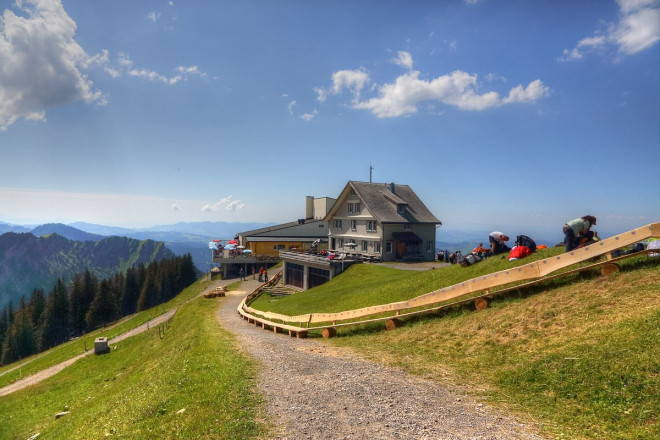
{"x": 101, "y": 346}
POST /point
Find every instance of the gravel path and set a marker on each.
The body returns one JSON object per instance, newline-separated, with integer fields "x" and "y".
{"x": 316, "y": 391}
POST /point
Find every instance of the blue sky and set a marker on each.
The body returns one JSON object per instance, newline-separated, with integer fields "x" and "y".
{"x": 509, "y": 115}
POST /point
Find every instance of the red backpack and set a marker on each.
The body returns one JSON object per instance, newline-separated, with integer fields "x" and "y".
{"x": 519, "y": 252}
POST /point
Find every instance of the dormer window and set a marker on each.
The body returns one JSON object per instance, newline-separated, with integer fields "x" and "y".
{"x": 401, "y": 208}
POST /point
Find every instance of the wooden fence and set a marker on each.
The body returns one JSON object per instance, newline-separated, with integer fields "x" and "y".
{"x": 480, "y": 289}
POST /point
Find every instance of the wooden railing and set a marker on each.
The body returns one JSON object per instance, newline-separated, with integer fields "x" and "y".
{"x": 537, "y": 270}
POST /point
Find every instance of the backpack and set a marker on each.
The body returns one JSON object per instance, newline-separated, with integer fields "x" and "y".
{"x": 519, "y": 252}
{"x": 523, "y": 240}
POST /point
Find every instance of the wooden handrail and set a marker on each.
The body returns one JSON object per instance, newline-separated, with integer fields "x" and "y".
{"x": 534, "y": 270}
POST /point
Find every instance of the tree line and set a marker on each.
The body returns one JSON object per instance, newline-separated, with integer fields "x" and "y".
{"x": 43, "y": 321}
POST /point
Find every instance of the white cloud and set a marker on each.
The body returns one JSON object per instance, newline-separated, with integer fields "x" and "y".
{"x": 154, "y": 16}
{"x": 533, "y": 92}
{"x": 226, "y": 203}
{"x": 290, "y": 107}
{"x": 175, "y": 207}
{"x": 638, "y": 28}
{"x": 39, "y": 48}
{"x": 182, "y": 72}
{"x": 352, "y": 80}
{"x": 309, "y": 116}
{"x": 404, "y": 59}
{"x": 408, "y": 91}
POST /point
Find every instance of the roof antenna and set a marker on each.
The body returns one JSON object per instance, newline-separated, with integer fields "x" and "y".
{"x": 371, "y": 169}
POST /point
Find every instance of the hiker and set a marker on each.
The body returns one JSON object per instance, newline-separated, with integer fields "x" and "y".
{"x": 578, "y": 231}
{"x": 497, "y": 245}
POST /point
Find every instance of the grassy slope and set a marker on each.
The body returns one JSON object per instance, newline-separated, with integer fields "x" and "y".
{"x": 579, "y": 356}
{"x": 192, "y": 383}
{"x": 73, "y": 348}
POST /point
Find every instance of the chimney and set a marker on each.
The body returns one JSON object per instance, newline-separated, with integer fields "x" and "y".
{"x": 392, "y": 188}
{"x": 309, "y": 207}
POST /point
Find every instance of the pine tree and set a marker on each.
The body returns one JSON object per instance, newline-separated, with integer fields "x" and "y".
{"x": 104, "y": 307}
{"x": 83, "y": 291}
{"x": 55, "y": 323}
{"x": 20, "y": 340}
{"x": 36, "y": 306}
{"x": 131, "y": 292}
{"x": 149, "y": 294}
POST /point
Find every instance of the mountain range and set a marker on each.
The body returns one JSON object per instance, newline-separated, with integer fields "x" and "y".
{"x": 28, "y": 262}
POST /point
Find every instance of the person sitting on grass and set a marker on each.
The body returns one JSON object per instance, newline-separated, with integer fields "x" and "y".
{"x": 497, "y": 241}
{"x": 578, "y": 231}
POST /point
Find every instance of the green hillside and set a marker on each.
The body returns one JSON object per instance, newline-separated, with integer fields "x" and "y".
{"x": 577, "y": 356}
{"x": 174, "y": 381}
{"x": 28, "y": 262}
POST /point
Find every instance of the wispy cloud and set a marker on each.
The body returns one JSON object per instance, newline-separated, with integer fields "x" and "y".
{"x": 227, "y": 203}
{"x": 181, "y": 72}
{"x": 638, "y": 29}
{"x": 309, "y": 116}
{"x": 403, "y": 96}
{"x": 154, "y": 16}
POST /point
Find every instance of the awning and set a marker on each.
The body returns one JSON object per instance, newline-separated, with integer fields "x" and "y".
{"x": 405, "y": 236}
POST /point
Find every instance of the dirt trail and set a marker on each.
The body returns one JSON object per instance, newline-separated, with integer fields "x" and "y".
{"x": 317, "y": 391}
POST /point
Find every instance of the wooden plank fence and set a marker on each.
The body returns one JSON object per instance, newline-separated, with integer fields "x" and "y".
{"x": 537, "y": 271}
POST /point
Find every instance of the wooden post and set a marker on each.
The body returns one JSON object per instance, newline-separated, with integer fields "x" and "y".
{"x": 609, "y": 268}
{"x": 393, "y": 323}
{"x": 329, "y": 332}
{"x": 480, "y": 303}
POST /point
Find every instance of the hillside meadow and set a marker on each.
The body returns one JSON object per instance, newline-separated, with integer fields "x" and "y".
{"x": 187, "y": 379}
{"x": 576, "y": 356}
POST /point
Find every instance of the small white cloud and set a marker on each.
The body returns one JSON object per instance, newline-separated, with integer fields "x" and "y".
{"x": 638, "y": 29}
{"x": 226, "y": 203}
{"x": 309, "y": 116}
{"x": 175, "y": 207}
{"x": 533, "y": 92}
{"x": 182, "y": 72}
{"x": 290, "y": 107}
{"x": 154, "y": 16}
{"x": 403, "y": 59}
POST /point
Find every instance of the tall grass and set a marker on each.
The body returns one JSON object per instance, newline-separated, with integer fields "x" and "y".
{"x": 192, "y": 382}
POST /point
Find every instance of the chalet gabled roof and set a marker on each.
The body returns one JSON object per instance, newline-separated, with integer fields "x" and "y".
{"x": 383, "y": 200}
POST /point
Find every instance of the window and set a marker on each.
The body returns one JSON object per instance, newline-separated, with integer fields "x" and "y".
{"x": 401, "y": 208}
{"x": 371, "y": 225}
{"x": 336, "y": 223}
{"x": 388, "y": 247}
{"x": 353, "y": 225}
{"x": 377, "y": 246}
{"x": 353, "y": 192}
{"x": 429, "y": 246}
{"x": 407, "y": 227}
{"x": 364, "y": 246}
{"x": 278, "y": 247}
{"x": 341, "y": 242}
{"x": 354, "y": 208}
